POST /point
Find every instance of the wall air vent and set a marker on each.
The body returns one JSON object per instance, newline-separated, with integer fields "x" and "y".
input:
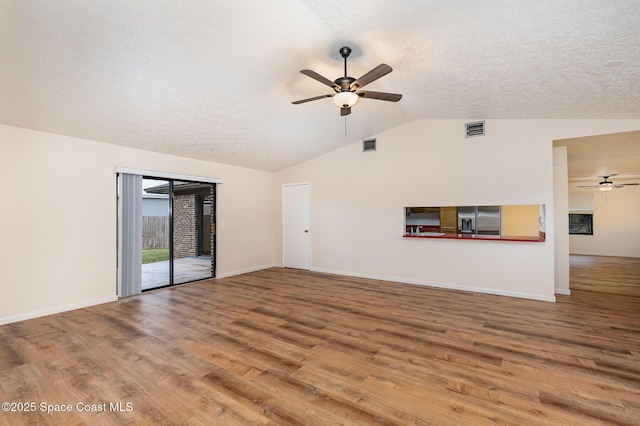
{"x": 475, "y": 129}
{"x": 368, "y": 145}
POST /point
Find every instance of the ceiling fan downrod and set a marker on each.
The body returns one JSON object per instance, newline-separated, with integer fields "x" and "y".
{"x": 345, "y": 82}
{"x": 345, "y": 52}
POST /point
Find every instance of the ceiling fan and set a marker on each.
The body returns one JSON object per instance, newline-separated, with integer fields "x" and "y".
{"x": 606, "y": 185}
{"x": 347, "y": 89}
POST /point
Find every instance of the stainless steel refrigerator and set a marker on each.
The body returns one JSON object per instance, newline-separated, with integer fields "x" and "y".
{"x": 481, "y": 220}
{"x": 488, "y": 220}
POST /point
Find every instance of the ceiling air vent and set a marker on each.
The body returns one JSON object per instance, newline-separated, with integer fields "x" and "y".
{"x": 475, "y": 129}
{"x": 368, "y": 145}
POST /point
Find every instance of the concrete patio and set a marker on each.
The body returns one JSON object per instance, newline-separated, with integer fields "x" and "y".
{"x": 184, "y": 270}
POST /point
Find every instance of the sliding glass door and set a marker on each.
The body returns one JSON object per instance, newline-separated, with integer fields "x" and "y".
{"x": 167, "y": 232}
{"x": 156, "y": 217}
{"x": 192, "y": 231}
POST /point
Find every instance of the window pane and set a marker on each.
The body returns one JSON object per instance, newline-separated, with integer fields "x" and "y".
{"x": 581, "y": 224}
{"x": 192, "y": 231}
{"x": 155, "y": 233}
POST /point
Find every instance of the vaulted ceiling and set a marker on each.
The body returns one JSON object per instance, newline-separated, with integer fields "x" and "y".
{"x": 214, "y": 80}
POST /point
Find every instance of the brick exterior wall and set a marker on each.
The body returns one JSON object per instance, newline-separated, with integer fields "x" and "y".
{"x": 186, "y": 230}
{"x": 185, "y": 226}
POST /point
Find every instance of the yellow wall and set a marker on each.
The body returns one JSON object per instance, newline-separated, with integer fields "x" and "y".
{"x": 521, "y": 221}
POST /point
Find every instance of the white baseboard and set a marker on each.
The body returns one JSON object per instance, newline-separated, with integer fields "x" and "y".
{"x": 246, "y": 271}
{"x": 441, "y": 285}
{"x": 87, "y": 303}
{"x": 56, "y": 310}
{"x": 564, "y": 291}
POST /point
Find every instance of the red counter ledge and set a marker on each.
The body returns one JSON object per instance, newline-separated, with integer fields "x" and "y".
{"x": 439, "y": 235}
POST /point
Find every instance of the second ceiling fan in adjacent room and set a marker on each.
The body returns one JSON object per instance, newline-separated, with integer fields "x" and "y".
{"x": 606, "y": 185}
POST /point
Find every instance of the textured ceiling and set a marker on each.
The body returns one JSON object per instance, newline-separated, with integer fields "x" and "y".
{"x": 214, "y": 80}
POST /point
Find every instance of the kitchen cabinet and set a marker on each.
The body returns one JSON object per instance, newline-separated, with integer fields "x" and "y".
{"x": 422, "y": 209}
{"x": 449, "y": 220}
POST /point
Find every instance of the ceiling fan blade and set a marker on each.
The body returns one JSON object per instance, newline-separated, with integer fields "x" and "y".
{"x": 391, "y": 97}
{"x": 314, "y": 75}
{"x": 311, "y": 99}
{"x": 345, "y": 111}
{"x": 379, "y": 71}
{"x": 588, "y": 186}
{"x": 626, "y": 184}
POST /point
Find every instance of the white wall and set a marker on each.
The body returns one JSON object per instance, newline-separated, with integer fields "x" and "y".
{"x": 58, "y": 219}
{"x": 616, "y": 225}
{"x": 561, "y": 209}
{"x": 358, "y": 199}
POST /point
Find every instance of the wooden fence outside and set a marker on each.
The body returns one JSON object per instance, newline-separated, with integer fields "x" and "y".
{"x": 155, "y": 232}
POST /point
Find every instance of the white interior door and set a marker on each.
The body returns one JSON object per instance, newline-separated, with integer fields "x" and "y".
{"x": 295, "y": 226}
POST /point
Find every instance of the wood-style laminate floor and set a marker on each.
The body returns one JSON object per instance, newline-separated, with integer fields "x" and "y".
{"x": 604, "y": 274}
{"x": 285, "y": 347}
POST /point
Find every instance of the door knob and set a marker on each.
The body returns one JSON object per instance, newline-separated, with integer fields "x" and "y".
{"x": 306, "y": 230}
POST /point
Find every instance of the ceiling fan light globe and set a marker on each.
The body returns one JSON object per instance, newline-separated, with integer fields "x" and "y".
{"x": 345, "y": 99}
{"x": 606, "y": 186}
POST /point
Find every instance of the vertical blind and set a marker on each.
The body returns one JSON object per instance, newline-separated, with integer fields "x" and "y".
{"x": 131, "y": 198}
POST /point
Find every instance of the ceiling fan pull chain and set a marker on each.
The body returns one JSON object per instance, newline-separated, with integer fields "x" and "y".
{"x": 345, "y": 125}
